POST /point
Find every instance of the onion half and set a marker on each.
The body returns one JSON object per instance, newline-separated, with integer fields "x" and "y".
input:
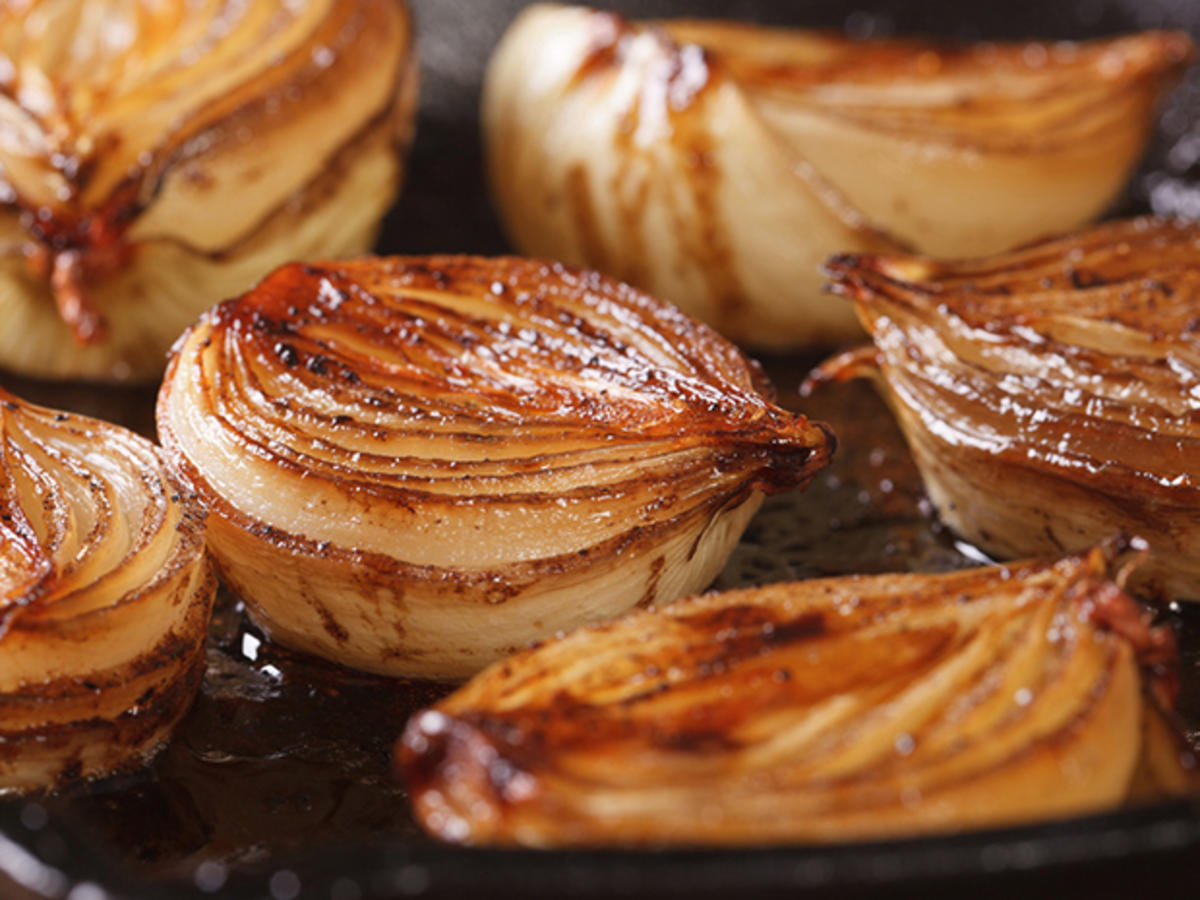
{"x": 157, "y": 157}
{"x": 1050, "y": 395}
{"x": 105, "y": 595}
{"x": 415, "y": 466}
{"x": 717, "y": 165}
{"x": 830, "y": 710}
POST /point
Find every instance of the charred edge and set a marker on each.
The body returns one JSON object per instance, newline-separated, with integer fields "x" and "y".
{"x": 436, "y": 747}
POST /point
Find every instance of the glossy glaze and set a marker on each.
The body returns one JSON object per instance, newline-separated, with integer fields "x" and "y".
{"x": 456, "y": 456}
{"x": 811, "y": 711}
{"x": 1064, "y": 371}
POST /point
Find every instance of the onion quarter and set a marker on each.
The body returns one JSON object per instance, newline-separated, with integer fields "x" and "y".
{"x": 717, "y": 165}
{"x": 832, "y": 710}
{"x": 1050, "y": 395}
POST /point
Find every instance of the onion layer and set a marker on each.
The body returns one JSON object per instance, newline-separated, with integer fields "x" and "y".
{"x": 826, "y": 710}
{"x": 1050, "y": 395}
{"x": 416, "y": 466}
{"x": 717, "y": 165}
{"x": 105, "y": 595}
{"x": 155, "y": 158}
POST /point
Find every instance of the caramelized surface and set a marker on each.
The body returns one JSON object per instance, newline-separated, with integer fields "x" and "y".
{"x": 456, "y": 456}
{"x": 718, "y": 164}
{"x": 820, "y": 710}
{"x": 1067, "y": 369}
{"x": 105, "y": 592}
{"x": 158, "y": 157}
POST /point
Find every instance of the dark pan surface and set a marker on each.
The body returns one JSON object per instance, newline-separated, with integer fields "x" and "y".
{"x": 277, "y": 783}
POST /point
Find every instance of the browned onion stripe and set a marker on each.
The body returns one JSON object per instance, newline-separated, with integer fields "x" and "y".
{"x": 818, "y": 711}
{"x": 105, "y": 595}
{"x": 455, "y": 456}
{"x": 1049, "y": 394}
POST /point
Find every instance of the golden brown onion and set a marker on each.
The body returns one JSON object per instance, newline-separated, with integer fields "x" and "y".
{"x": 157, "y": 157}
{"x": 105, "y": 594}
{"x": 416, "y": 466}
{"x": 1051, "y": 395}
{"x": 717, "y": 165}
{"x": 827, "y": 710}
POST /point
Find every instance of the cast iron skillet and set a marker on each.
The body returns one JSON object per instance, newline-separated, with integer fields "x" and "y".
{"x": 277, "y": 784}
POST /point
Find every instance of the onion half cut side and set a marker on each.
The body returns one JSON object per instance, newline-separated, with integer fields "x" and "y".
{"x": 416, "y": 466}
{"x": 1050, "y": 395}
{"x": 831, "y": 710}
{"x": 717, "y": 165}
{"x": 158, "y": 157}
{"x": 105, "y": 597}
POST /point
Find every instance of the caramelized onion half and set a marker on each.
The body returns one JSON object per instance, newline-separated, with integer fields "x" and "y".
{"x": 827, "y": 710}
{"x": 105, "y": 595}
{"x": 717, "y": 165}
{"x": 416, "y": 466}
{"x": 1051, "y": 395}
{"x": 157, "y": 157}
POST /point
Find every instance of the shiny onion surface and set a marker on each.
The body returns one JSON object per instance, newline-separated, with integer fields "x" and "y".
{"x": 105, "y": 594}
{"x": 830, "y": 710}
{"x": 1051, "y": 395}
{"x": 717, "y": 165}
{"x": 415, "y": 466}
{"x": 157, "y": 157}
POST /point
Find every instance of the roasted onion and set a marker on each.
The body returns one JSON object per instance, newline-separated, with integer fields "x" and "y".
{"x": 415, "y": 466}
{"x": 1050, "y": 395}
{"x": 826, "y": 710}
{"x": 105, "y": 595}
{"x": 158, "y": 157}
{"x": 717, "y": 165}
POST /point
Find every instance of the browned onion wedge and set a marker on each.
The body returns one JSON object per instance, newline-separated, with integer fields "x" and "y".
{"x": 416, "y": 466}
{"x": 156, "y": 157}
{"x": 105, "y": 595}
{"x": 717, "y": 165}
{"x": 1051, "y": 395}
{"x": 825, "y": 710}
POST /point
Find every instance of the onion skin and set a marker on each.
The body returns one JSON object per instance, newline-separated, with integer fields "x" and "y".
{"x": 416, "y": 466}
{"x": 830, "y": 710}
{"x": 105, "y": 597}
{"x": 157, "y": 158}
{"x": 717, "y": 165}
{"x": 1048, "y": 394}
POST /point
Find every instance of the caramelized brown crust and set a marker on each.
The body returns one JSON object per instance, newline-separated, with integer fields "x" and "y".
{"x": 471, "y": 443}
{"x": 1049, "y": 393}
{"x": 718, "y": 164}
{"x": 825, "y": 710}
{"x": 105, "y": 595}
{"x": 144, "y": 133}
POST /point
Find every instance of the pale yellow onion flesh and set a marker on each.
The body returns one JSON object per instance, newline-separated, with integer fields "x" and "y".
{"x": 415, "y": 466}
{"x": 105, "y": 596}
{"x": 1050, "y": 395}
{"x": 717, "y": 165}
{"x": 157, "y": 158}
{"x": 830, "y": 710}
